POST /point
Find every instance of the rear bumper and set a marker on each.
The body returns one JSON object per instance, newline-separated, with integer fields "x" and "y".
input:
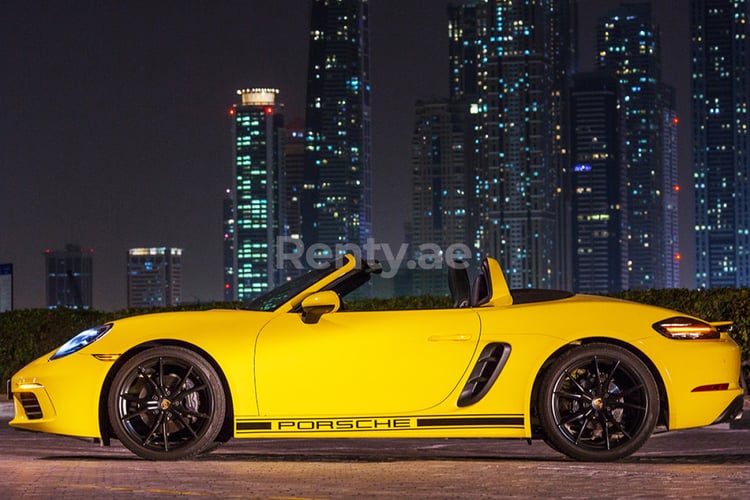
{"x": 733, "y": 412}
{"x": 701, "y": 378}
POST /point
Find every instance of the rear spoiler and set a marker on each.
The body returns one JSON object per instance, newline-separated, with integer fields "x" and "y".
{"x": 722, "y": 326}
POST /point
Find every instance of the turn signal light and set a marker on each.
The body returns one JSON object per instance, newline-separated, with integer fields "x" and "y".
{"x": 683, "y": 328}
{"x": 106, "y": 357}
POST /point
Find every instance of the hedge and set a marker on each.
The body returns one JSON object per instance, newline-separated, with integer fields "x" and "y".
{"x": 27, "y": 334}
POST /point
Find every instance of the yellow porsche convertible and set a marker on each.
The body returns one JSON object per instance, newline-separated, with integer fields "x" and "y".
{"x": 591, "y": 376}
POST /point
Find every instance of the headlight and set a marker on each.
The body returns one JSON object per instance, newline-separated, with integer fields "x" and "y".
{"x": 683, "y": 328}
{"x": 81, "y": 340}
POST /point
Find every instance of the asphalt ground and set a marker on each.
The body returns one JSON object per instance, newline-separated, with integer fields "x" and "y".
{"x": 711, "y": 462}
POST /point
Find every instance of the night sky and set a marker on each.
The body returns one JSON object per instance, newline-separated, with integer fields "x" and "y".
{"x": 115, "y": 132}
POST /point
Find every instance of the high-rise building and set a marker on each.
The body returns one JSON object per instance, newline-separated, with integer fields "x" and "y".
{"x": 441, "y": 180}
{"x": 564, "y": 50}
{"x": 721, "y": 151}
{"x": 228, "y": 247}
{"x": 6, "y": 287}
{"x": 599, "y": 216}
{"x": 70, "y": 277}
{"x": 467, "y": 32}
{"x": 154, "y": 277}
{"x": 294, "y": 168}
{"x": 669, "y": 239}
{"x": 468, "y": 27}
{"x": 291, "y": 199}
{"x": 628, "y": 47}
{"x": 337, "y": 203}
{"x": 259, "y": 180}
{"x": 510, "y": 61}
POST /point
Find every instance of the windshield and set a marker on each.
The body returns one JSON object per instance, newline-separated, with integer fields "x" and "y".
{"x": 273, "y": 299}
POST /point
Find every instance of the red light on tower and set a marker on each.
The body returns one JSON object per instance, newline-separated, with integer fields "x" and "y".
{"x": 676, "y": 188}
{"x": 675, "y": 120}
{"x": 269, "y": 110}
{"x": 231, "y": 112}
{"x": 677, "y": 257}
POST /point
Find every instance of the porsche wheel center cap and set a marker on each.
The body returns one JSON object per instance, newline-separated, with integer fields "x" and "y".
{"x": 597, "y": 403}
{"x": 165, "y": 404}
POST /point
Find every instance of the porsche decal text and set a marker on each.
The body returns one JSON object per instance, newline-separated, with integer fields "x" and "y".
{"x": 375, "y": 423}
{"x": 338, "y": 425}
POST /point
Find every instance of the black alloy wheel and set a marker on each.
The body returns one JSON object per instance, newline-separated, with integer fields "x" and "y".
{"x": 167, "y": 403}
{"x": 598, "y": 402}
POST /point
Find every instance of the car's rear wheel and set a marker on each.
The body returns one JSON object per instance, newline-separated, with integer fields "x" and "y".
{"x": 598, "y": 402}
{"x": 167, "y": 403}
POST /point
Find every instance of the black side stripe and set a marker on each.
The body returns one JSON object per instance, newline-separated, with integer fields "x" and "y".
{"x": 425, "y": 422}
{"x": 469, "y": 421}
{"x": 254, "y": 426}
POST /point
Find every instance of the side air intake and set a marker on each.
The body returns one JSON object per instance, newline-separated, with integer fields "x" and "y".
{"x": 30, "y": 405}
{"x": 485, "y": 372}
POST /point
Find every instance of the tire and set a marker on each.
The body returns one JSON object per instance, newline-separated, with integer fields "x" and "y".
{"x": 167, "y": 403}
{"x": 598, "y": 402}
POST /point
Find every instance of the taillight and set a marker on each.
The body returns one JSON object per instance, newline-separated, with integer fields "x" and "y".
{"x": 683, "y": 328}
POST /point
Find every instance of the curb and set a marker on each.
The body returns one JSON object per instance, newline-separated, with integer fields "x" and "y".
{"x": 6, "y": 408}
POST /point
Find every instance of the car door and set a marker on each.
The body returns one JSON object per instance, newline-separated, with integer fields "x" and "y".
{"x": 362, "y": 363}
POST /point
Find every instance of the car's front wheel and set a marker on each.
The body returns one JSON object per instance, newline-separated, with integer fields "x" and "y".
{"x": 598, "y": 402}
{"x": 167, "y": 403}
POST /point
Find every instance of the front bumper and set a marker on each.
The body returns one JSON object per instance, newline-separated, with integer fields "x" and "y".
{"x": 60, "y": 396}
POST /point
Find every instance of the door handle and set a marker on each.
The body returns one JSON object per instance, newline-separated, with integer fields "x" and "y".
{"x": 453, "y": 337}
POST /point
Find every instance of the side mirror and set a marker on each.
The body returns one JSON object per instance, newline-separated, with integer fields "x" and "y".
{"x": 319, "y": 303}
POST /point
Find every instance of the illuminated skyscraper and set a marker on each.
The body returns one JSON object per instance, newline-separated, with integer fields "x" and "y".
{"x": 467, "y": 32}
{"x": 628, "y": 47}
{"x": 291, "y": 197}
{"x": 440, "y": 183}
{"x": 70, "y": 277}
{"x": 294, "y": 167}
{"x": 337, "y": 191}
{"x": 467, "y": 38}
{"x": 258, "y": 182}
{"x": 669, "y": 239}
{"x": 564, "y": 42}
{"x": 721, "y": 151}
{"x": 154, "y": 277}
{"x": 599, "y": 222}
{"x": 228, "y": 247}
{"x": 509, "y": 65}
{"x": 439, "y": 175}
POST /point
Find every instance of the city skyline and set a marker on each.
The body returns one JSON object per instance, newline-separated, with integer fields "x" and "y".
{"x": 164, "y": 150}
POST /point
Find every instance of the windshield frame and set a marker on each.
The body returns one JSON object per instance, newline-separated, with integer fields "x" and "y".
{"x": 275, "y": 298}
